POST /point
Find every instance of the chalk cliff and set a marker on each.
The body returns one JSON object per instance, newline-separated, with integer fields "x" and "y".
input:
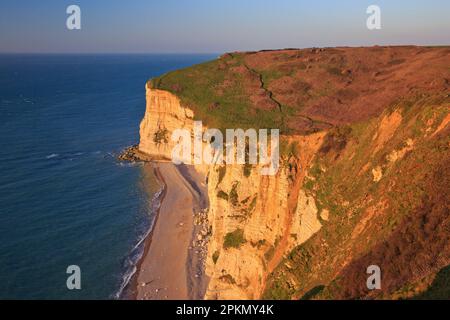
{"x": 363, "y": 178}
{"x": 270, "y": 211}
{"x": 163, "y": 115}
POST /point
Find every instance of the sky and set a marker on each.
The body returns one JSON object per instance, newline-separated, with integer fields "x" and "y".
{"x": 216, "y": 26}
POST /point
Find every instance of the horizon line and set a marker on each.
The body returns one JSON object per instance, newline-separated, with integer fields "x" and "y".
{"x": 104, "y": 53}
{"x": 220, "y": 52}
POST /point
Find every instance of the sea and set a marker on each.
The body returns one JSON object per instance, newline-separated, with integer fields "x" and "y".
{"x": 65, "y": 200}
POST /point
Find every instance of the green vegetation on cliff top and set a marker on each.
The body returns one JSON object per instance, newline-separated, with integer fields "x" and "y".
{"x": 304, "y": 91}
{"x": 215, "y": 90}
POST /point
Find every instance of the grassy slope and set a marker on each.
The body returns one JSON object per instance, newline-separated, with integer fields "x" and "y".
{"x": 400, "y": 222}
{"x": 303, "y": 91}
{"x": 409, "y": 231}
{"x": 215, "y": 90}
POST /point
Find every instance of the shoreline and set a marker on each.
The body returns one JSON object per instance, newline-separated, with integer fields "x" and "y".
{"x": 130, "y": 290}
{"x": 170, "y": 266}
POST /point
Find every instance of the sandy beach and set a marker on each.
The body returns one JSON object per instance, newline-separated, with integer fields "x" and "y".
{"x": 171, "y": 268}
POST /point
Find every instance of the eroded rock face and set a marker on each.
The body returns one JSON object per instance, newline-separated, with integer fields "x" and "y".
{"x": 239, "y": 273}
{"x": 272, "y": 215}
{"x": 306, "y": 221}
{"x": 163, "y": 115}
{"x": 273, "y": 212}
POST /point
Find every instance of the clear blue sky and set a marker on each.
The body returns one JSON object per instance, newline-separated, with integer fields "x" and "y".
{"x": 142, "y": 26}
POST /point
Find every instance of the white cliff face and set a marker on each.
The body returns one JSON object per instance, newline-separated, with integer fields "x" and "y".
{"x": 271, "y": 213}
{"x": 274, "y": 215}
{"x": 163, "y": 115}
{"x": 306, "y": 221}
{"x": 259, "y": 211}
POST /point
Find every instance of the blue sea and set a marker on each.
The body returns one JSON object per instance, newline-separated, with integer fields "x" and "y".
{"x": 64, "y": 198}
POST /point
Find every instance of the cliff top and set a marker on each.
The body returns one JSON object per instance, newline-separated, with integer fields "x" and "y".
{"x": 307, "y": 90}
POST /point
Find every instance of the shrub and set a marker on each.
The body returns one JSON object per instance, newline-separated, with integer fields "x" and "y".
{"x": 289, "y": 149}
{"x": 260, "y": 243}
{"x": 228, "y": 279}
{"x": 222, "y": 171}
{"x": 277, "y": 291}
{"x": 336, "y": 140}
{"x": 222, "y": 195}
{"x": 215, "y": 256}
{"x": 234, "y": 198}
{"x": 161, "y": 136}
{"x": 247, "y": 170}
{"x": 313, "y": 292}
{"x": 234, "y": 239}
{"x": 308, "y": 184}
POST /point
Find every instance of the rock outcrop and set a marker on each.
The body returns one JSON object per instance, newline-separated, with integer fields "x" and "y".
{"x": 163, "y": 115}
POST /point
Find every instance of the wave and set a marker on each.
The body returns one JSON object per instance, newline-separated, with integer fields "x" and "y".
{"x": 51, "y": 156}
{"x": 65, "y": 156}
{"x": 137, "y": 252}
{"x": 129, "y": 164}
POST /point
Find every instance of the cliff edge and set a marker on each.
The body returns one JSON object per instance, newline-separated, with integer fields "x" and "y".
{"x": 363, "y": 179}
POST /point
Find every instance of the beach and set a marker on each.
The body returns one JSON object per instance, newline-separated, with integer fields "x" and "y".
{"x": 171, "y": 268}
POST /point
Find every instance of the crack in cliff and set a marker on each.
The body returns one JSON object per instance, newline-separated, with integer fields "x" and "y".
{"x": 262, "y": 85}
{"x": 270, "y": 95}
